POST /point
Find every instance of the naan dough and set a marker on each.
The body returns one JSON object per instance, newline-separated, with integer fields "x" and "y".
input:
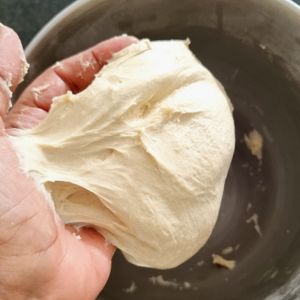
{"x": 254, "y": 143}
{"x": 141, "y": 155}
{"x": 219, "y": 260}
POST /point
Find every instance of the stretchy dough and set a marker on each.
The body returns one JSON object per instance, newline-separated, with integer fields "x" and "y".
{"x": 141, "y": 155}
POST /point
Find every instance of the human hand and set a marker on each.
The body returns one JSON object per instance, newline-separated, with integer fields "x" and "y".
{"x": 41, "y": 258}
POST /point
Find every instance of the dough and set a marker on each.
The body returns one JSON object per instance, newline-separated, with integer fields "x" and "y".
{"x": 131, "y": 289}
{"x": 227, "y": 250}
{"x": 162, "y": 282}
{"x": 141, "y": 155}
{"x": 159, "y": 280}
{"x": 254, "y": 143}
{"x": 254, "y": 219}
{"x": 219, "y": 260}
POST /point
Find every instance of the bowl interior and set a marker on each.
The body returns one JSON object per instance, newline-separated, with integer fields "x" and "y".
{"x": 246, "y": 47}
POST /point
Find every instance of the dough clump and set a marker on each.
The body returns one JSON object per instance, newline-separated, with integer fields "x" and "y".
{"x": 141, "y": 155}
{"x": 219, "y": 260}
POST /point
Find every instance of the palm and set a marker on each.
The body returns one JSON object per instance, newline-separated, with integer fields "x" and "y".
{"x": 40, "y": 258}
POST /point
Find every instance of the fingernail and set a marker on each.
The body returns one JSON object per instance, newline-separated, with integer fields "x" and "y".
{"x": 133, "y": 38}
{"x": 58, "y": 65}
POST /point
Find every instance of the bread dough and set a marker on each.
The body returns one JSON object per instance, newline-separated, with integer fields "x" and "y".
{"x": 141, "y": 155}
{"x": 219, "y": 260}
{"x": 254, "y": 219}
{"x": 162, "y": 282}
{"x": 254, "y": 143}
{"x": 227, "y": 250}
{"x": 131, "y": 289}
{"x": 200, "y": 263}
{"x": 159, "y": 280}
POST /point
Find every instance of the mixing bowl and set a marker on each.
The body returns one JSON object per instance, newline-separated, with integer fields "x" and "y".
{"x": 253, "y": 48}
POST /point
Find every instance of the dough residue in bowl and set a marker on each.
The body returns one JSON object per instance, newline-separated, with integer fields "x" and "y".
{"x": 219, "y": 260}
{"x": 254, "y": 143}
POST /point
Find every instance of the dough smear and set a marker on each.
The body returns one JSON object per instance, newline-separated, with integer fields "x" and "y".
{"x": 141, "y": 155}
{"x": 219, "y": 260}
{"x": 254, "y": 143}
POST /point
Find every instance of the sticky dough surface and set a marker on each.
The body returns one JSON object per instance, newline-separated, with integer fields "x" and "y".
{"x": 141, "y": 155}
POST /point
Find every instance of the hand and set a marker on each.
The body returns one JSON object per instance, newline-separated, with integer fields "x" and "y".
{"x": 40, "y": 258}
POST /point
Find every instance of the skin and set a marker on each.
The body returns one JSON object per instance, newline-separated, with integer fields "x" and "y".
{"x": 39, "y": 256}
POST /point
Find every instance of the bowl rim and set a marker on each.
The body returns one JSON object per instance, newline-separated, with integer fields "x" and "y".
{"x": 75, "y": 6}
{"x": 58, "y": 18}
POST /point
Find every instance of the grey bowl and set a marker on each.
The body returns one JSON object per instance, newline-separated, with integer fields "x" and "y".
{"x": 253, "y": 48}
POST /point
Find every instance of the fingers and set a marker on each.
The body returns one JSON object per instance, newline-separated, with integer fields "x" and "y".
{"x": 36, "y": 101}
{"x": 92, "y": 239}
{"x": 88, "y": 262}
{"x": 25, "y": 117}
{"x": 79, "y": 71}
{"x": 13, "y": 65}
{"x": 72, "y": 74}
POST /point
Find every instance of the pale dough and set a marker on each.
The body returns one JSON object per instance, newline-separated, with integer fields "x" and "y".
{"x": 159, "y": 280}
{"x": 219, "y": 260}
{"x": 227, "y": 250}
{"x": 131, "y": 289}
{"x": 254, "y": 143}
{"x": 254, "y": 219}
{"x": 141, "y": 155}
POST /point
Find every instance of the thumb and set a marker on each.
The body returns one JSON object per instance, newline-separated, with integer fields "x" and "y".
{"x": 13, "y": 67}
